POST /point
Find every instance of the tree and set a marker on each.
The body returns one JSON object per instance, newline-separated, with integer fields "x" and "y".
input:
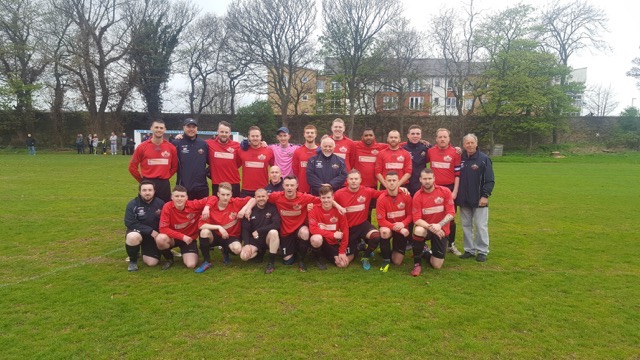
{"x": 350, "y": 30}
{"x": 275, "y": 36}
{"x": 155, "y": 32}
{"x": 259, "y": 112}
{"x": 628, "y": 129}
{"x": 635, "y": 71}
{"x": 600, "y": 101}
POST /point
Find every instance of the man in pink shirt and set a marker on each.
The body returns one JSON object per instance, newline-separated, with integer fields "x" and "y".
{"x": 283, "y": 151}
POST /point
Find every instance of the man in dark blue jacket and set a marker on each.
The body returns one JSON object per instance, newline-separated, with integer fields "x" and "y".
{"x": 418, "y": 150}
{"x": 142, "y": 219}
{"x": 476, "y": 185}
{"x": 326, "y": 168}
{"x": 193, "y": 157}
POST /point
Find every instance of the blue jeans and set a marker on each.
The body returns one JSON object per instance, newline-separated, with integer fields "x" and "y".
{"x": 32, "y": 150}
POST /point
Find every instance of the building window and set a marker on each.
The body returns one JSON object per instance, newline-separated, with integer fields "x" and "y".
{"x": 468, "y": 103}
{"x": 451, "y": 101}
{"x": 320, "y": 86}
{"x": 335, "y": 106}
{"x": 335, "y": 86}
{"x": 416, "y": 102}
{"x": 389, "y": 103}
{"x": 436, "y": 82}
{"x": 416, "y": 86}
{"x": 436, "y": 101}
{"x": 305, "y": 97}
{"x": 450, "y": 85}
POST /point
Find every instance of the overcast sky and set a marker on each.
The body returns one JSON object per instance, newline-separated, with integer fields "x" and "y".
{"x": 602, "y": 68}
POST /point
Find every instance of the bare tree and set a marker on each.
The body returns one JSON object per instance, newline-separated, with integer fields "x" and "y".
{"x": 350, "y": 30}
{"x": 600, "y": 100}
{"x": 635, "y": 71}
{"x": 276, "y": 36}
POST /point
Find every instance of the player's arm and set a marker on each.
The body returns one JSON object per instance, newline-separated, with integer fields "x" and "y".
{"x": 344, "y": 242}
{"x": 337, "y": 182}
{"x": 131, "y": 221}
{"x": 381, "y": 215}
{"x": 408, "y": 219}
{"x": 246, "y": 230}
{"x": 273, "y": 225}
{"x": 312, "y": 178}
{"x": 417, "y": 214}
{"x": 174, "y": 161}
{"x": 134, "y": 163}
{"x": 315, "y": 229}
{"x": 489, "y": 182}
{"x": 248, "y": 206}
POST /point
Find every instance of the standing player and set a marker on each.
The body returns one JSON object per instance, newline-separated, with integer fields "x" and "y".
{"x": 113, "y": 140}
{"x": 330, "y": 231}
{"x": 158, "y": 161}
{"x": 193, "y": 157}
{"x": 394, "y": 218}
{"x": 356, "y": 200}
{"x": 294, "y": 233}
{"x": 223, "y": 227}
{"x": 367, "y": 151}
{"x": 344, "y": 147}
{"x": 255, "y": 163}
{"x": 179, "y": 226}
{"x": 142, "y": 219}
{"x": 433, "y": 209}
{"x": 223, "y": 159}
{"x": 302, "y": 155}
{"x": 275, "y": 180}
{"x": 418, "y": 150}
{"x": 393, "y": 158}
{"x": 444, "y": 160}
{"x": 326, "y": 168}
{"x": 283, "y": 151}
{"x": 260, "y": 231}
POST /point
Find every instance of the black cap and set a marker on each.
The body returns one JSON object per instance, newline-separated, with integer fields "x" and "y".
{"x": 283, "y": 129}
{"x": 190, "y": 121}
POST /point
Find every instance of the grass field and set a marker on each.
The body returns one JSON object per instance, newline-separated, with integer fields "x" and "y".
{"x": 562, "y": 279}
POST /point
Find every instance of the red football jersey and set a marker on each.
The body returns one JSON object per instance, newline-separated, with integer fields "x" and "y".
{"x": 357, "y": 203}
{"x": 445, "y": 164}
{"x": 293, "y": 213}
{"x": 398, "y": 160}
{"x": 345, "y": 148}
{"x": 228, "y": 217}
{"x": 434, "y": 206}
{"x": 156, "y": 161}
{"x": 177, "y": 223}
{"x": 365, "y": 161}
{"x": 255, "y": 167}
{"x": 300, "y": 158}
{"x": 326, "y": 223}
{"x": 393, "y": 209}
{"x": 223, "y": 161}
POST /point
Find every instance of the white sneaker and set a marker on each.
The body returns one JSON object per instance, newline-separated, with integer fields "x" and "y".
{"x": 454, "y": 250}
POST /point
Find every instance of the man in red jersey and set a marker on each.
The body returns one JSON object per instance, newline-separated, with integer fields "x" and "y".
{"x": 255, "y": 163}
{"x": 294, "y": 233}
{"x": 393, "y": 158}
{"x": 302, "y": 155}
{"x": 223, "y": 159}
{"x": 330, "y": 231}
{"x": 223, "y": 227}
{"x": 356, "y": 200}
{"x": 394, "y": 218}
{"x": 157, "y": 159}
{"x": 179, "y": 226}
{"x": 445, "y": 161}
{"x": 367, "y": 150}
{"x": 433, "y": 209}
{"x": 345, "y": 147}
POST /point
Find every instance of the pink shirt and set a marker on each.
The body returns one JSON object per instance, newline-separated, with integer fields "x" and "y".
{"x": 283, "y": 157}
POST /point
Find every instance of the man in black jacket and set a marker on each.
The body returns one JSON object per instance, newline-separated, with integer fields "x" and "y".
{"x": 142, "y": 219}
{"x": 193, "y": 157}
{"x": 326, "y": 168}
{"x": 260, "y": 231}
{"x": 476, "y": 185}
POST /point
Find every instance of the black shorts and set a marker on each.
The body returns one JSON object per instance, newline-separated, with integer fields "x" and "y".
{"x": 235, "y": 190}
{"x": 162, "y": 188}
{"x": 198, "y": 194}
{"x": 289, "y": 243}
{"x": 330, "y": 251}
{"x": 359, "y": 232}
{"x": 260, "y": 242}
{"x": 219, "y": 241}
{"x": 184, "y": 248}
{"x": 149, "y": 247}
{"x": 245, "y": 193}
{"x": 438, "y": 246}
{"x": 400, "y": 241}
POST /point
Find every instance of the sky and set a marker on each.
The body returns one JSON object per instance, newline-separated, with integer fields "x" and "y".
{"x": 604, "y": 69}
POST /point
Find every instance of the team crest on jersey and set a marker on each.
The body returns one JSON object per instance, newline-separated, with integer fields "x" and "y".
{"x": 438, "y": 200}
{"x": 267, "y": 215}
{"x": 447, "y": 158}
{"x": 185, "y": 149}
{"x": 334, "y": 166}
{"x": 261, "y": 157}
{"x": 474, "y": 167}
{"x": 140, "y": 211}
{"x": 343, "y": 149}
{"x": 158, "y": 212}
{"x": 318, "y": 165}
{"x": 230, "y": 149}
{"x": 401, "y": 205}
{"x": 297, "y": 207}
{"x": 200, "y": 151}
{"x": 165, "y": 154}
{"x": 423, "y": 153}
{"x": 400, "y": 158}
{"x": 191, "y": 216}
{"x": 361, "y": 199}
{"x": 233, "y": 215}
{"x": 334, "y": 220}
{"x": 374, "y": 152}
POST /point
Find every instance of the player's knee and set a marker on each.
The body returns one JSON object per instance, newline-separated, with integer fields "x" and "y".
{"x": 419, "y": 231}
{"x": 150, "y": 261}
{"x": 205, "y": 233}
{"x": 316, "y": 241}
{"x": 304, "y": 233}
{"x": 273, "y": 234}
{"x": 436, "y": 263}
{"x": 235, "y": 247}
{"x": 373, "y": 234}
{"x": 133, "y": 238}
{"x": 385, "y": 233}
{"x": 245, "y": 254}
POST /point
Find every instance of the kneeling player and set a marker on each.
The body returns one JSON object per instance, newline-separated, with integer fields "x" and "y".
{"x": 433, "y": 209}
{"x": 260, "y": 231}
{"x": 224, "y": 225}
{"x": 330, "y": 231}
{"x": 394, "y": 218}
{"x": 179, "y": 226}
{"x": 142, "y": 219}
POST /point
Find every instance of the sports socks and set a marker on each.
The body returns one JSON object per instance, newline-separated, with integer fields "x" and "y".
{"x": 132, "y": 252}
{"x": 205, "y": 249}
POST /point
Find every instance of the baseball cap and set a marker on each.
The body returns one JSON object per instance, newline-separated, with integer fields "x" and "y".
{"x": 282, "y": 129}
{"x": 190, "y": 121}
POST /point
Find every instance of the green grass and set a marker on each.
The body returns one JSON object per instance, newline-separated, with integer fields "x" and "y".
{"x": 561, "y": 280}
